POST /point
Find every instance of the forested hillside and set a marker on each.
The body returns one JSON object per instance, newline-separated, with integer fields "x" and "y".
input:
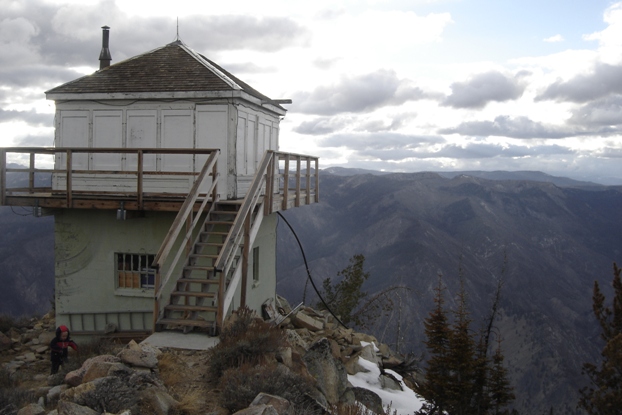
{"x": 547, "y": 243}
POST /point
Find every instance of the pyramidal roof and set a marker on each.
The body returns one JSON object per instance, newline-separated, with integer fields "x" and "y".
{"x": 173, "y": 68}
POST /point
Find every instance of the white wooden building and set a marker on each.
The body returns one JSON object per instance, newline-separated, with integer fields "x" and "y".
{"x": 165, "y": 187}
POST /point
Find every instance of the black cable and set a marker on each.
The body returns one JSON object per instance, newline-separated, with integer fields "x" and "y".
{"x": 304, "y": 257}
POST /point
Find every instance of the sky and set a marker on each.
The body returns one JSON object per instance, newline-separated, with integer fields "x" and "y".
{"x": 392, "y": 85}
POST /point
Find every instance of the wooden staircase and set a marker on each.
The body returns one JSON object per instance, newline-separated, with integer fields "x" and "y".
{"x": 194, "y": 301}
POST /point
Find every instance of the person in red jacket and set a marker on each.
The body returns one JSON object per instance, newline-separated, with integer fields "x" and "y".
{"x": 59, "y": 347}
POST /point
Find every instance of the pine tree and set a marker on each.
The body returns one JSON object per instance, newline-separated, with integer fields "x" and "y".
{"x": 344, "y": 297}
{"x": 604, "y": 395}
{"x": 500, "y": 391}
{"x": 461, "y": 359}
{"x": 435, "y": 386}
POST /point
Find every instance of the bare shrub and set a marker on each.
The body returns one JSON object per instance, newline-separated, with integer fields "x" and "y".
{"x": 241, "y": 385}
{"x": 247, "y": 341}
{"x": 12, "y": 396}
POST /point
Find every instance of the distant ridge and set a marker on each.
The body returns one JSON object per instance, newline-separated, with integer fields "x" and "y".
{"x": 524, "y": 175}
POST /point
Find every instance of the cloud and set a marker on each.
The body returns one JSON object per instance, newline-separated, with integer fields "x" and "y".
{"x": 505, "y": 126}
{"x": 321, "y": 126}
{"x": 30, "y": 117}
{"x": 484, "y": 88}
{"x": 603, "y": 112}
{"x": 605, "y": 79}
{"x": 610, "y": 39}
{"x": 553, "y": 39}
{"x": 358, "y": 94}
{"x": 379, "y": 141}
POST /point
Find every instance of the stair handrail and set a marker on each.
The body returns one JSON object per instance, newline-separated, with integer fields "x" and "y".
{"x": 232, "y": 242}
{"x": 184, "y": 212}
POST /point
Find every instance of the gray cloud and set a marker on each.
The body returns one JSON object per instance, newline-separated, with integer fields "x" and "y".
{"x": 322, "y": 126}
{"x": 504, "y": 126}
{"x": 603, "y": 81}
{"x": 484, "y": 88}
{"x": 36, "y": 140}
{"x": 603, "y": 112}
{"x": 378, "y": 141}
{"x": 30, "y": 117}
{"x": 71, "y": 36}
{"x": 358, "y": 94}
{"x": 397, "y": 121}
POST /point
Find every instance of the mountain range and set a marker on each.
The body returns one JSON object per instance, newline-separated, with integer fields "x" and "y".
{"x": 545, "y": 239}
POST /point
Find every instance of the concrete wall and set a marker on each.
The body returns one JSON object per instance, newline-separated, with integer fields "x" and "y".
{"x": 86, "y": 283}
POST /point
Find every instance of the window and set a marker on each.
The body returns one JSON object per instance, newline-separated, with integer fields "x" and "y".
{"x": 133, "y": 271}
{"x": 256, "y": 264}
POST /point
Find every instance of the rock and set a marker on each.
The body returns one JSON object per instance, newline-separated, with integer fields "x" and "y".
{"x": 258, "y": 410}
{"x": 302, "y": 320}
{"x": 282, "y": 305}
{"x": 281, "y": 405}
{"x": 284, "y": 356}
{"x": 54, "y": 393}
{"x": 5, "y": 342}
{"x": 391, "y": 362}
{"x": 113, "y": 393}
{"x": 370, "y": 399}
{"x": 388, "y": 381}
{"x": 295, "y": 340}
{"x": 41, "y": 350}
{"x": 70, "y": 408}
{"x": 30, "y": 357}
{"x": 385, "y": 351}
{"x": 46, "y": 337}
{"x": 75, "y": 377}
{"x": 159, "y": 402}
{"x": 97, "y": 370}
{"x": 31, "y": 409}
{"x": 335, "y": 349}
{"x": 139, "y": 355}
{"x": 329, "y": 372}
{"x": 357, "y": 338}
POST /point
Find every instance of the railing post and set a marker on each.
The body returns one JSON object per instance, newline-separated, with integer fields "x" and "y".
{"x": 31, "y": 174}
{"x": 245, "y": 252}
{"x": 317, "y": 181}
{"x": 298, "y": 173}
{"x": 139, "y": 185}
{"x": 285, "y": 183}
{"x": 69, "y": 178}
{"x": 308, "y": 183}
{"x": 2, "y": 177}
{"x": 269, "y": 196}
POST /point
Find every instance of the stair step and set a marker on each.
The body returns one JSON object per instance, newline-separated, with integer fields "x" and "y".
{"x": 185, "y": 322}
{"x": 198, "y": 281}
{"x": 214, "y": 233}
{"x": 224, "y": 212}
{"x": 219, "y": 222}
{"x": 192, "y": 294}
{"x": 218, "y": 244}
{"x": 203, "y": 256}
{"x": 198, "y": 268}
{"x": 181, "y": 307}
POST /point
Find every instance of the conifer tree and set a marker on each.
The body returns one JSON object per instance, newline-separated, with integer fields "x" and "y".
{"x": 501, "y": 393}
{"x": 435, "y": 386}
{"x": 604, "y": 395}
{"x": 461, "y": 359}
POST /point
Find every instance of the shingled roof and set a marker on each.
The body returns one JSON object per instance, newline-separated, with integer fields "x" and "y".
{"x": 171, "y": 68}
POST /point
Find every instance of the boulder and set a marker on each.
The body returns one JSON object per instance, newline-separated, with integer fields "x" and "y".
{"x": 97, "y": 370}
{"x": 331, "y": 376}
{"x": 158, "y": 401}
{"x": 31, "y": 409}
{"x": 369, "y": 399}
{"x": 54, "y": 393}
{"x": 281, "y": 405}
{"x": 46, "y": 337}
{"x": 258, "y": 410}
{"x": 70, "y": 408}
{"x": 303, "y": 320}
{"x": 5, "y": 342}
{"x": 139, "y": 355}
{"x": 295, "y": 340}
{"x": 74, "y": 378}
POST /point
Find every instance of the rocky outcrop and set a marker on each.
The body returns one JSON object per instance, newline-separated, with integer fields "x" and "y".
{"x": 128, "y": 381}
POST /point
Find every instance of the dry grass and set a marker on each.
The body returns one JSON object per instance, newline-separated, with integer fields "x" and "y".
{"x": 171, "y": 370}
{"x": 191, "y": 403}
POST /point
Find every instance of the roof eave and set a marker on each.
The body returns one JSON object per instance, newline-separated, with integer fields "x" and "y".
{"x": 167, "y": 95}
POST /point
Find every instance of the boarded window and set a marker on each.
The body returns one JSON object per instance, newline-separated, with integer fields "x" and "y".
{"x": 133, "y": 271}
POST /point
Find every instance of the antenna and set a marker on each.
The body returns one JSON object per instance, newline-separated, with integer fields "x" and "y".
{"x": 177, "y": 28}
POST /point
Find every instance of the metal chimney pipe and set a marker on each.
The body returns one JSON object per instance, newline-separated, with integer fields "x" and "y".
{"x": 104, "y": 55}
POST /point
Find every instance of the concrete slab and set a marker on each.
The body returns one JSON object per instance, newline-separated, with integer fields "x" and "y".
{"x": 178, "y": 340}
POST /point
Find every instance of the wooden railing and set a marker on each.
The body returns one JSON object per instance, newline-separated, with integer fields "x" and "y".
{"x": 275, "y": 185}
{"x": 184, "y": 216}
{"x": 68, "y": 171}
